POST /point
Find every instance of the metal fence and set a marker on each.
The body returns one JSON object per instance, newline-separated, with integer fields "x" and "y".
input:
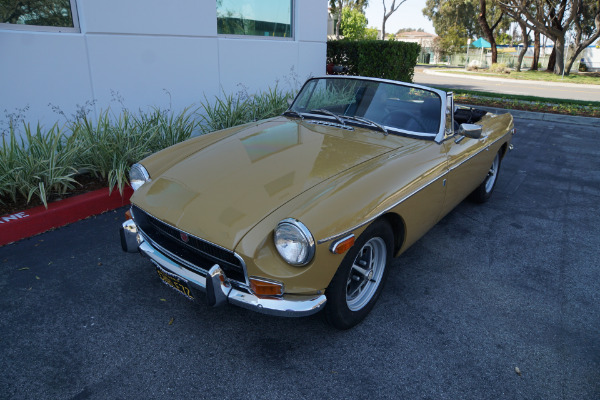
{"x": 485, "y": 60}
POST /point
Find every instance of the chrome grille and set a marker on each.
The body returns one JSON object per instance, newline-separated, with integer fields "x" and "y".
{"x": 195, "y": 251}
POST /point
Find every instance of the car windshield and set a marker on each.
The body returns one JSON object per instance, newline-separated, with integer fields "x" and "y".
{"x": 393, "y": 107}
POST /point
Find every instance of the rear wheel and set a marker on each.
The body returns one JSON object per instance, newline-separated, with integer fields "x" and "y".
{"x": 358, "y": 282}
{"x": 484, "y": 191}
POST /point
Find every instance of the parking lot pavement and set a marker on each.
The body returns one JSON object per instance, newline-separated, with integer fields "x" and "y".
{"x": 498, "y": 301}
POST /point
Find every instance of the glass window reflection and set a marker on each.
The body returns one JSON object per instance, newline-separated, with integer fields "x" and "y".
{"x": 269, "y": 18}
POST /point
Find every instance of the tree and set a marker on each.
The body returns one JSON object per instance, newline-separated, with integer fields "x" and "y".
{"x": 549, "y": 18}
{"x": 454, "y": 22}
{"x": 586, "y": 27}
{"x": 401, "y": 30}
{"x": 525, "y": 38}
{"x": 371, "y": 34}
{"x": 387, "y": 14}
{"x": 496, "y": 15}
{"x": 354, "y": 24}
{"x": 536, "y": 51}
{"x": 337, "y": 6}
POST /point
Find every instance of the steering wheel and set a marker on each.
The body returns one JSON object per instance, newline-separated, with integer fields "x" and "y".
{"x": 402, "y": 120}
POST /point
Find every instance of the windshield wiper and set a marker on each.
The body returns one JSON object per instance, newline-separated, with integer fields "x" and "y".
{"x": 327, "y": 112}
{"x": 293, "y": 113}
{"x": 368, "y": 121}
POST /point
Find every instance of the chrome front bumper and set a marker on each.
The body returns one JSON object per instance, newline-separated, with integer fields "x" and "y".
{"x": 215, "y": 284}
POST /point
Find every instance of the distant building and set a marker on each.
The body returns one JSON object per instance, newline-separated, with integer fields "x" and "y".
{"x": 426, "y": 41}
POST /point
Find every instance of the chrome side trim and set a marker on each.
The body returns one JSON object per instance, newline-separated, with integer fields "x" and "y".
{"x": 486, "y": 148}
{"x": 347, "y": 231}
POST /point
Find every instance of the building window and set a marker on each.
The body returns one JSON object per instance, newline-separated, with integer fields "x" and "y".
{"x": 269, "y": 18}
{"x": 39, "y": 15}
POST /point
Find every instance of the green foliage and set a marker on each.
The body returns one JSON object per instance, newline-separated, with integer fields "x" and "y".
{"x": 372, "y": 33}
{"x": 499, "y": 68}
{"x": 37, "y": 164}
{"x": 360, "y": 5}
{"x": 454, "y": 21}
{"x": 171, "y": 128}
{"x": 237, "y": 109}
{"x": 113, "y": 144}
{"x": 504, "y": 38}
{"x": 354, "y": 24}
{"x": 375, "y": 58}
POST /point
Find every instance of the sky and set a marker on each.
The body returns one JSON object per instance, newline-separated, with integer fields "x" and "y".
{"x": 409, "y": 15}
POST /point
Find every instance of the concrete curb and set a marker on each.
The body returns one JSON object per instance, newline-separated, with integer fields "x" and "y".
{"x": 516, "y": 81}
{"x": 60, "y": 213}
{"x": 537, "y": 116}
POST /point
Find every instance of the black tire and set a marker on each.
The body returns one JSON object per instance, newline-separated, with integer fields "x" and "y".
{"x": 354, "y": 289}
{"x": 485, "y": 190}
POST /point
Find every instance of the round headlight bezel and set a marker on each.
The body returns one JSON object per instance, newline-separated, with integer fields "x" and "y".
{"x": 294, "y": 229}
{"x": 138, "y": 175}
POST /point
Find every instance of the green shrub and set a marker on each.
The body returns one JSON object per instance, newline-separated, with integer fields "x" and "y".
{"x": 500, "y": 68}
{"x": 40, "y": 163}
{"x": 240, "y": 108}
{"x": 171, "y": 128}
{"x": 113, "y": 145}
{"x": 375, "y": 58}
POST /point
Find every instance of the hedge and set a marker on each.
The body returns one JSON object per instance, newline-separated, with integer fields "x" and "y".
{"x": 375, "y": 58}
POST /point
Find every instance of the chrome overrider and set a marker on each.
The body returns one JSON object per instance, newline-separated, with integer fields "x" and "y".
{"x": 216, "y": 285}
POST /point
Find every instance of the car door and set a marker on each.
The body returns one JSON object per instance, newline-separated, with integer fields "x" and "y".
{"x": 468, "y": 161}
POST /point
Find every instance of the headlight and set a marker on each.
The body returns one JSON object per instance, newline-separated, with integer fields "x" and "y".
{"x": 294, "y": 242}
{"x": 138, "y": 176}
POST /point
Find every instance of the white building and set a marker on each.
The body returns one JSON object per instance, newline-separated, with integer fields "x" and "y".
{"x": 425, "y": 40}
{"x": 153, "y": 52}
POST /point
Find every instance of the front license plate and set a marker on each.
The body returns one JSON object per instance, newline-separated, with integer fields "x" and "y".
{"x": 175, "y": 282}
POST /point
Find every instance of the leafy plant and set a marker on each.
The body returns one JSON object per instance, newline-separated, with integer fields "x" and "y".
{"x": 40, "y": 163}
{"x": 113, "y": 145}
{"x": 171, "y": 127}
{"x": 238, "y": 109}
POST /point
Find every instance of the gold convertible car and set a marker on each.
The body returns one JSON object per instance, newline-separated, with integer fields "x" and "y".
{"x": 304, "y": 212}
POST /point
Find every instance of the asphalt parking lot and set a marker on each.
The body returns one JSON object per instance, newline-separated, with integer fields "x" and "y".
{"x": 498, "y": 301}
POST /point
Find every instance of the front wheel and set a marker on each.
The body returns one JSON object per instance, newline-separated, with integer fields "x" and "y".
{"x": 484, "y": 191}
{"x": 358, "y": 282}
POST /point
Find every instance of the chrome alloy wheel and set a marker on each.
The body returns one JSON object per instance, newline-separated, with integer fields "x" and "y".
{"x": 366, "y": 273}
{"x": 492, "y": 174}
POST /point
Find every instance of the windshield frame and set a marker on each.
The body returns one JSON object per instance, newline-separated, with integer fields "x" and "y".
{"x": 444, "y": 97}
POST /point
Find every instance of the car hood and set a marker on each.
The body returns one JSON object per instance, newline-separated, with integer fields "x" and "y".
{"x": 220, "y": 192}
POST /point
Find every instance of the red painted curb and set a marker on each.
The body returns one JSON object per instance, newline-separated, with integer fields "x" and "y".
{"x": 39, "y": 219}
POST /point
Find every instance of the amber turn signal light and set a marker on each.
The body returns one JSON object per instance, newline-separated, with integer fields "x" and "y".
{"x": 342, "y": 245}
{"x": 128, "y": 215}
{"x": 263, "y": 287}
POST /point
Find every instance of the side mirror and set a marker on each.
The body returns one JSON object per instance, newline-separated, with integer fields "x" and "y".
{"x": 470, "y": 130}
